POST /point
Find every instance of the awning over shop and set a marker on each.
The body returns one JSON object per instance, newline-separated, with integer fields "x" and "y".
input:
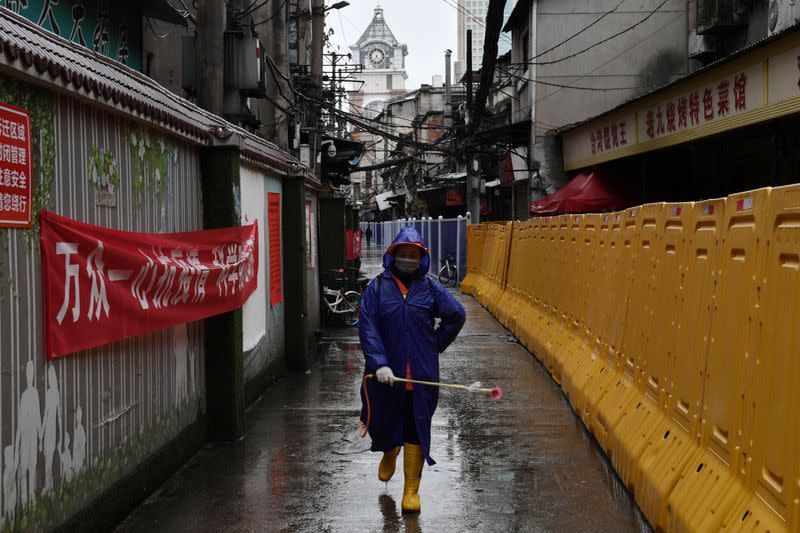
{"x": 587, "y": 192}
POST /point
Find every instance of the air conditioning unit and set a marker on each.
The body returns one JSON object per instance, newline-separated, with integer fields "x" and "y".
{"x": 720, "y": 15}
{"x": 702, "y": 47}
{"x": 782, "y": 14}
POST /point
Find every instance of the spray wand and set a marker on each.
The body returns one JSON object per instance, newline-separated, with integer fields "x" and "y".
{"x": 495, "y": 393}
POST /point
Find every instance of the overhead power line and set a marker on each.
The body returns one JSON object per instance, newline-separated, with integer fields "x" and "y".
{"x": 627, "y": 50}
{"x": 253, "y": 7}
{"x": 277, "y": 12}
{"x": 587, "y": 27}
{"x": 595, "y": 45}
{"x": 511, "y": 75}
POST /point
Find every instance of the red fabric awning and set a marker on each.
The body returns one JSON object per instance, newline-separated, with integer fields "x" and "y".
{"x": 586, "y": 193}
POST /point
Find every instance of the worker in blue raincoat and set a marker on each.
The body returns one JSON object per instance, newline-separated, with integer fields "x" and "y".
{"x": 399, "y": 338}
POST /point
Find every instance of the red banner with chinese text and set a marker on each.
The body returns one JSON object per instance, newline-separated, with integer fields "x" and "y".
{"x": 16, "y": 168}
{"x": 274, "y": 223}
{"x": 103, "y": 285}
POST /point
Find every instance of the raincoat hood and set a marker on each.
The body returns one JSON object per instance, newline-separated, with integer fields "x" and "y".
{"x": 407, "y": 235}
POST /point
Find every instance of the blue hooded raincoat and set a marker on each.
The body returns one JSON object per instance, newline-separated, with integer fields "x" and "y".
{"x": 399, "y": 332}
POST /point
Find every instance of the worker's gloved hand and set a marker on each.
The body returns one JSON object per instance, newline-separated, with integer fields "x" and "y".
{"x": 384, "y": 375}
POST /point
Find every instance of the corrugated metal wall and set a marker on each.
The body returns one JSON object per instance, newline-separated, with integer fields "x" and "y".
{"x": 96, "y": 414}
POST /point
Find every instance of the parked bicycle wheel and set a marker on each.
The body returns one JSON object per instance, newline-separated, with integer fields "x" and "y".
{"x": 453, "y": 276}
{"x": 353, "y": 302}
{"x": 447, "y": 276}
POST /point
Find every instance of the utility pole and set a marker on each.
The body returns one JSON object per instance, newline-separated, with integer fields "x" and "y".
{"x": 473, "y": 197}
{"x": 448, "y": 99}
{"x": 333, "y": 85}
{"x": 317, "y": 30}
{"x": 469, "y": 72}
{"x": 494, "y": 25}
{"x": 210, "y": 44}
{"x": 279, "y": 53}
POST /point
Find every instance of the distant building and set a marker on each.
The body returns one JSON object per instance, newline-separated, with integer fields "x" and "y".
{"x": 472, "y": 16}
{"x": 384, "y": 77}
{"x": 729, "y": 125}
{"x": 558, "y": 81}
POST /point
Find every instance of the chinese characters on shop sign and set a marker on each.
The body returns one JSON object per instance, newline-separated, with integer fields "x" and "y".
{"x": 723, "y": 98}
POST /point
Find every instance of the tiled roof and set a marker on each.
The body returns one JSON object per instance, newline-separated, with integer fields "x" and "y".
{"x": 377, "y": 30}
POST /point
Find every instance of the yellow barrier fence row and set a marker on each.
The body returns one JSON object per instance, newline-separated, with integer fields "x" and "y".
{"x": 673, "y": 330}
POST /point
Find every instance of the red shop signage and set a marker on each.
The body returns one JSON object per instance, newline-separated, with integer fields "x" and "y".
{"x": 103, "y": 285}
{"x": 15, "y": 168}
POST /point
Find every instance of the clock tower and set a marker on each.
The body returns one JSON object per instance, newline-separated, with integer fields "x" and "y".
{"x": 384, "y": 60}
{"x": 384, "y": 77}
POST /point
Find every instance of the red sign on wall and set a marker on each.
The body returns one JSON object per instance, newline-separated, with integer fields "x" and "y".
{"x": 103, "y": 285}
{"x": 15, "y": 168}
{"x": 274, "y": 223}
{"x": 353, "y": 239}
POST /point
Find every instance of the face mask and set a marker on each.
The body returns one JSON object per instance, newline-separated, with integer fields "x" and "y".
{"x": 406, "y": 266}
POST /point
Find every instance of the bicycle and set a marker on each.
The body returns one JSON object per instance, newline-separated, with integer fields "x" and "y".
{"x": 342, "y": 304}
{"x": 448, "y": 274}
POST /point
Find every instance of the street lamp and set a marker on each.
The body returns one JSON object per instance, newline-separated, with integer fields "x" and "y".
{"x": 337, "y": 5}
{"x": 321, "y": 11}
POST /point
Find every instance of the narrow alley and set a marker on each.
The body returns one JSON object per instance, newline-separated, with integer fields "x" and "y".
{"x": 524, "y": 463}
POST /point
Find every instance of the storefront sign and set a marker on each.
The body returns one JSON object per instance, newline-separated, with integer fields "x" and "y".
{"x": 607, "y": 137}
{"x": 758, "y": 86}
{"x": 274, "y": 223}
{"x": 103, "y": 285}
{"x": 720, "y": 99}
{"x": 112, "y": 29}
{"x": 784, "y": 76}
{"x": 16, "y": 168}
{"x": 453, "y": 197}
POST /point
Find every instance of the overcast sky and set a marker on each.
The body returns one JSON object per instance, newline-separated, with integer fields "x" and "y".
{"x": 428, "y": 27}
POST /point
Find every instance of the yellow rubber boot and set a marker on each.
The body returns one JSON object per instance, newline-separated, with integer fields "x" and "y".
{"x": 387, "y": 466}
{"x": 412, "y": 469}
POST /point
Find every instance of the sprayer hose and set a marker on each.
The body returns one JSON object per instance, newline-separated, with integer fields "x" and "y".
{"x": 362, "y": 427}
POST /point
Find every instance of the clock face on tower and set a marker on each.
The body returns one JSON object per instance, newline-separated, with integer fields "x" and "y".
{"x": 376, "y": 56}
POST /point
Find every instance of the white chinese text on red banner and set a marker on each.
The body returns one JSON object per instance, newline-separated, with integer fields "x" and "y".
{"x": 15, "y": 168}
{"x": 103, "y": 285}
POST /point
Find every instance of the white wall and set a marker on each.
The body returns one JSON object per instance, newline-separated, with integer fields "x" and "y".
{"x": 262, "y": 325}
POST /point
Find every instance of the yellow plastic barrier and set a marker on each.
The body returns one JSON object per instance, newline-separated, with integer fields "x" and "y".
{"x": 586, "y": 364}
{"x": 488, "y": 262}
{"x": 491, "y": 295}
{"x": 609, "y": 307}
{"x": 773, "y": 450}
{"x": 476, "y": 237}
{"x": 607, "y": 406}
{"x": 673, "y": 331}
{"x": 711, "y": 485}
{"x": 684, "y": 353}
{"x": 517, "y": 268}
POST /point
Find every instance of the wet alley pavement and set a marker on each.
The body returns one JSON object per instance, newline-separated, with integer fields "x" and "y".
{"x": 524, "y": 463}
